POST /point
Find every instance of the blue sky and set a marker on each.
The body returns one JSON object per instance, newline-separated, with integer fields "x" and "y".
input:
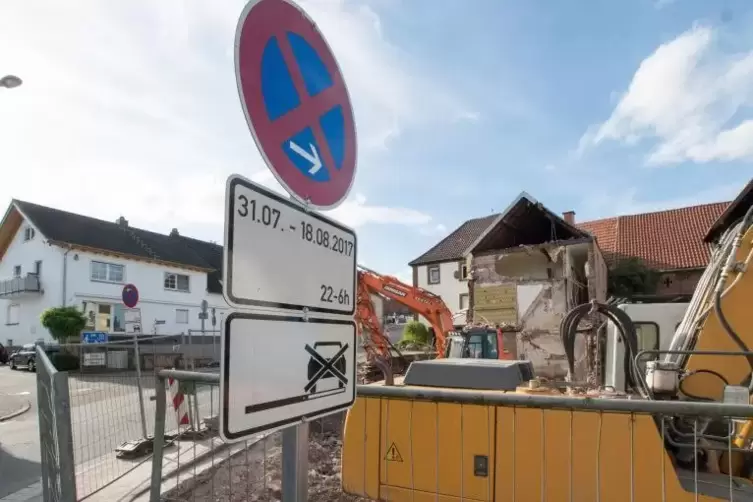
{"x": 603, "y": 107}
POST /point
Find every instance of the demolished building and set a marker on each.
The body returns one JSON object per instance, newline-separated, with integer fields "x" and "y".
{"x": 527, "y": 269}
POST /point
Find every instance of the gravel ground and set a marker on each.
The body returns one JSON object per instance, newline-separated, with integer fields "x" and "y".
{"x": 248, "y": 477}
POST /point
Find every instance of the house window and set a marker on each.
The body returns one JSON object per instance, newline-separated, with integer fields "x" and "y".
{"x": 107, "y": 272}
{"x": 181, "y": 316}
{"x": 28, "y": 234}
{"x": 463, "y": 301}
{"x": 176, "y": 282}
{"x": 17, "y": 271}
{"x": 463, "y": 271}
{"x": 433, "y": 273}
{"x": 38, "y": 267}
{"x": 12, "y": 314}
{"x": 118, "y": 318}
{"x": 105, "y": 317}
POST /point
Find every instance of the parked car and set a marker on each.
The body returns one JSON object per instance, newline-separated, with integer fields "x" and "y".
{"x": 27, "y": 356}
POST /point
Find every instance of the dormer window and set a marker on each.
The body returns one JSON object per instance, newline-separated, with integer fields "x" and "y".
{"x": 28, "y": 234}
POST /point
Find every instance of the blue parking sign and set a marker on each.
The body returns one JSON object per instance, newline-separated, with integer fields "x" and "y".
{"x": 94, "y": 337}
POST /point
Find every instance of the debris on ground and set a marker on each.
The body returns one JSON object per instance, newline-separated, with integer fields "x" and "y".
{"x": 255, "y": 474}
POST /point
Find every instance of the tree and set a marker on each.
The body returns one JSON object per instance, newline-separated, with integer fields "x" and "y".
{"x": 415, "y": 332}
{"x": 632, "y": 276}
{"x": 63, "y": 322}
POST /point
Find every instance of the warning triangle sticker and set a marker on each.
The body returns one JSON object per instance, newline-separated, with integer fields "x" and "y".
{"x": 393, "y": 455}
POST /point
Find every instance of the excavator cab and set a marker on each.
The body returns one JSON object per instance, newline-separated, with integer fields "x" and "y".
{"x": 476, "y": 343}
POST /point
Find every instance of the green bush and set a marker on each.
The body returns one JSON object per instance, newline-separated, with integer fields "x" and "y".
{"x": 415, "y": 332}
{"x": 63, "y": 322}
{"x": 64, "y": 361}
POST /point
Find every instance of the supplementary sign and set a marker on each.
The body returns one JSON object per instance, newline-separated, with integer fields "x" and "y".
{"x": 278, "y": 255}
{"x": 94, "y": 337}
{"x": 296, "y": 102}
{"x": 279, "y": 370}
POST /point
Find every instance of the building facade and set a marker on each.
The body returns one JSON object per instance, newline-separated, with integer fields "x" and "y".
{"x": 51, "y": 258}
{"x": 443, "y": 270}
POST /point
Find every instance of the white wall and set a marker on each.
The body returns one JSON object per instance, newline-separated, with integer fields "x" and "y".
{"x": 448, "y": 288}
{"x": 155, "y": 302}
{"x": 31, "y": 305}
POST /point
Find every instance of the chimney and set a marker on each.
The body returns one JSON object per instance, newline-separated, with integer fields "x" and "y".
{"x": 122, "y": 222}
{"x": 569, "y": 217}
{"x": 174, "y": 233}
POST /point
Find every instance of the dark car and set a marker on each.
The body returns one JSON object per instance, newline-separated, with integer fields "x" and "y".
{"x": 27, "y": 356}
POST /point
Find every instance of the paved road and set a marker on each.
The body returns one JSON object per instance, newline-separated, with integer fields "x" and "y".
{"x": 104, "y": 414}
{"x": 19, "y": 437}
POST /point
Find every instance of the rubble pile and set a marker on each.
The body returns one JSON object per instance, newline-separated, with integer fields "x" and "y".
{"x": 255, "y": 474}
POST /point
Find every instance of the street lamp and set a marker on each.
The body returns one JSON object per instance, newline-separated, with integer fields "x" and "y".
{"x": 10, "y": 81}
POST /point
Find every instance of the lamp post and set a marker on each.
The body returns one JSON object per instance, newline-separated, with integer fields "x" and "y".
{"x": 10, "y": 81}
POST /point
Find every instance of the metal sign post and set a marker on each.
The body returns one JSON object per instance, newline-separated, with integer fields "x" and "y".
{"x": 133, "y": 325}
{"x": 282, "y": 256}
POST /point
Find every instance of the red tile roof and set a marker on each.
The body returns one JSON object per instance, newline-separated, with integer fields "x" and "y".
{"x": 665, "y": 240}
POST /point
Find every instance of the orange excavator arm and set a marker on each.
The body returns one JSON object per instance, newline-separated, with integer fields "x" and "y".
{"x": 418, "y": 300}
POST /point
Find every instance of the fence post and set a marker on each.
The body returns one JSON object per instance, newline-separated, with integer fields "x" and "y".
{"x": 295, "y": 463}
{"x": 62, "y": 411}
{"x": 44, "y": 398}
{"x": 159, "y": 441}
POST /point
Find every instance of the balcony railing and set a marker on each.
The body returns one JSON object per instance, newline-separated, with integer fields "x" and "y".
{"x": 20, "y": 285}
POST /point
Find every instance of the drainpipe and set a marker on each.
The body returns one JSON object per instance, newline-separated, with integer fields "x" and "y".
{"x": 65, "y": 275}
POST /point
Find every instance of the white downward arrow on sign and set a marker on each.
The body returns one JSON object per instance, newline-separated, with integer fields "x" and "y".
{"x": 312, "y": 156}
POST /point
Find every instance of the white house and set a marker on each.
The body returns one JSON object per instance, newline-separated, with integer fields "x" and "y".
{"x": 442, "y": 269}
{"x": 53, "y": 258}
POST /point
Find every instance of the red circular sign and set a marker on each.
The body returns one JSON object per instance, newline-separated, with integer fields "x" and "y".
{"x": 130, "y": 296}
{"x": 296, "y": 102}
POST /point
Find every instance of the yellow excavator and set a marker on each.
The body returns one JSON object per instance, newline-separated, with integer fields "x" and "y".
{"x": 489, "y": 430}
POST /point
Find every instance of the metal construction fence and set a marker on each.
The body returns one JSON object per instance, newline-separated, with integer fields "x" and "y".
{"x": 56, "y": 446}
{"x": 188, "y": 461}
{"x": 251, "y": 470}
{"x": 108, "y": 393}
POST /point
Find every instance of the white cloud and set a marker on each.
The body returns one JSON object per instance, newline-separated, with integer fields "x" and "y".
{"x": 132, "y": 108}
{"x": 688, "y": 96}
{"x": 355, "y": 212}
{"x": 630, "y": 200}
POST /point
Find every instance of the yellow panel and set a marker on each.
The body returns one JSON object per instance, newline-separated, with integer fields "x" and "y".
{"x": 648, "y": 457}
{"x": 394, "y": 494}
{"x": 395, "y": 445}
{"x": 360, "y": 461}
{"x": 505, "y": 454}
{"x": 528, "y": 453}
{"x": 449, "y": 434}
{"x": 557, "y": 455}
{"x": 478, "y": 439}
{"x": 584, "y": 443}
{"x": 615, "y": 457}
{"x": 425, "y": 440}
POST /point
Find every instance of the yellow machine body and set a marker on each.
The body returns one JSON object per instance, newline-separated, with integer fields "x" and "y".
{"x": 418, "y": 450}
{"x": 403, "y": 450}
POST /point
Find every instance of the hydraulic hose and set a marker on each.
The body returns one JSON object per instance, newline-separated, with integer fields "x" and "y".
{"x": 625, "y": 327}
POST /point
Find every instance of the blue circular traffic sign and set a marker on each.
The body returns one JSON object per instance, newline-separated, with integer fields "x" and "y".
{"x": 296, "y": 102}
{"x": 130, "y": 296}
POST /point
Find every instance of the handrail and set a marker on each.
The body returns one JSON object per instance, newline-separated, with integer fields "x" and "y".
{"x": 717, "y": 410}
